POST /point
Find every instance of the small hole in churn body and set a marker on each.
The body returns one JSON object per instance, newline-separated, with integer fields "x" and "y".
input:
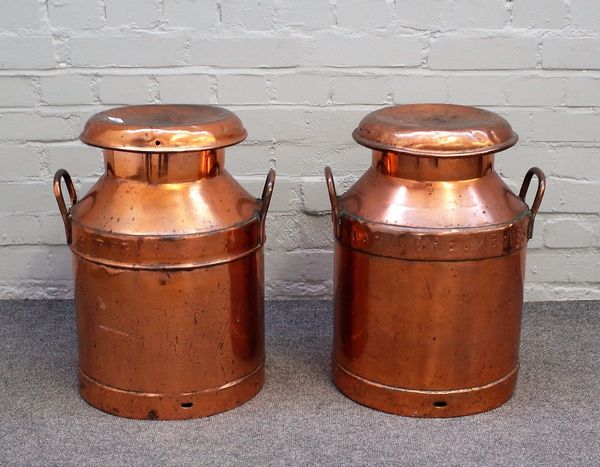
{"x": 186, "y": 405}
{"x": 440, "y": 404}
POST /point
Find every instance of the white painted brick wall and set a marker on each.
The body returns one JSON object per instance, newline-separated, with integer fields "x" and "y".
{"x": 428, "y": 89}
{"x": 477, "y": 90}
{"x": 254, "y": 51}
{"x": 362, "y": 89}
{"x": 584, "y": 14}
{"x": 582, "y": 91}
{"x": 28, "y": 126}
{"x": 301, "y": 75}
{"x": 479, "y": 14}
{"x": 242, "y": 89}
{"x": 250, "y": 15}
{"x": 20, "y": 14}
{"x": 300, "y": 88}
{"x": 119, "y": 89}
{"x": 82, "y": 160}
{"x": 189, "y": 89}
{"x": 572, "y": 53}
{"x": 20, "y": 162}
{"x": 16, "y": 91}
{"x": 132, "y": 13}
{"x": 534, "y": 91}
{"x": 432, "y": 15}
{"x": 340, "y": 50}
{"x": 359, "y": 14}
{"x": 66, "y": 89}
{"x": 546, "y": 15}
{"x": 459, "y": 51}
{"x": 26, "y": 52}
{"x": 189, "y": 13}
{"x": 108, "y": 48}
{"x": 75, "y": 14}
{"x": 307, "y": 15}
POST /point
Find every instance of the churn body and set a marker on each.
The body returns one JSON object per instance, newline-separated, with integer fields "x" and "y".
{"x": 168, "y": 266}
{"x": 430, "y": 264}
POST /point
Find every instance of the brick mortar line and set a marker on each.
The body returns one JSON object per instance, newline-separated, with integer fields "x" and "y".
{"x": 46, "y": 110}
{"x": 283, "y": 30}
{"x": 402, "y": 71}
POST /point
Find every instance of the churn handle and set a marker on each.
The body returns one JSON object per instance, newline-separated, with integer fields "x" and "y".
{"x": 266, "y": 200}
{"x": 333, "y": 199}
{"x": 538, "y": 195}
{"x": 62, "y": 206}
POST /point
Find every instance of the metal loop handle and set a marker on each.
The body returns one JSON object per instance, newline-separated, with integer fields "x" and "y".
{"x": 62, "y": 206}
{"x": 538, "y": 195}
{"x": 334, "y": 201}
{"x": 266, "y": 200}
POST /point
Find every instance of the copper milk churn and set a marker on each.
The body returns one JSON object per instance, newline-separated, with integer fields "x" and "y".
{"x": 168, "y": 265}
{"x": 430, "y": 264}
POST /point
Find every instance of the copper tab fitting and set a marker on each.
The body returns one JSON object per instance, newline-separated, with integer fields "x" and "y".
{"x": 430, "y": 264}
{"x": 168, "y": 265}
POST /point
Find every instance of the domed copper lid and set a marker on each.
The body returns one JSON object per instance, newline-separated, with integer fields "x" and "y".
{"x": 435, "y": 130}
{"x": 164, "y": 128}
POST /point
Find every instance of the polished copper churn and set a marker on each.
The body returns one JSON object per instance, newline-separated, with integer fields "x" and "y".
{"x": 168, "y": 265}
{"x": 430, "y": 263}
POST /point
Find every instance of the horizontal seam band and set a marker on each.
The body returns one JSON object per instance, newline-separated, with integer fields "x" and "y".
{"x": 425, "y": 391}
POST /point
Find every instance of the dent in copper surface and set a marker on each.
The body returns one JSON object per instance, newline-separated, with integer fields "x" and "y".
{"x": 430, "y": 265}
{"x": 168, "y": 267}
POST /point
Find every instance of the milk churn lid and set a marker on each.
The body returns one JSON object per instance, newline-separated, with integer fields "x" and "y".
{"x": 435, "y": 130}
{"x": 164, "y": 128}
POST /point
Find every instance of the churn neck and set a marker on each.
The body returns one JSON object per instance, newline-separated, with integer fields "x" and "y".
{"x": 423, "y": 168}
{"x": 161, "y": 167}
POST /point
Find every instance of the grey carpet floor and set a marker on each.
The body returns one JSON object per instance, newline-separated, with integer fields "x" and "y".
{"x": 300, "y": 418}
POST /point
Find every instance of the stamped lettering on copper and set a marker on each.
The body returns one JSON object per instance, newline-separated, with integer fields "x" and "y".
{"x": 454, "y": 246}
